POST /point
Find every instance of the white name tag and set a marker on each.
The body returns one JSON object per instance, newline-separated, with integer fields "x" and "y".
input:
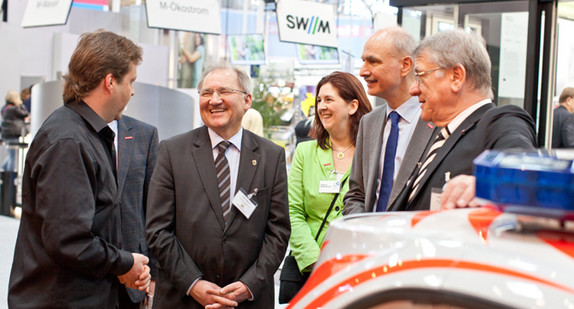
{"x": 329, "y": 186}
{"x": 436, "y": 194}
{"x": 244, "y": 203}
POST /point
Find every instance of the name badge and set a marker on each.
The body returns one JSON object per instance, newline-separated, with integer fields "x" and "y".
{"x": 329, "y": 186}
{"x": 244, "y": 203}
{"x": 436, "y": 194}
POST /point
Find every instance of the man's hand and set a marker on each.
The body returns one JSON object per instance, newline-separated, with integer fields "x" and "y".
{"x": 138, "y": 277}
{"x": 236, "y": 291}
{"x": 208, "y": 295}
{"x": 460, "y": 192}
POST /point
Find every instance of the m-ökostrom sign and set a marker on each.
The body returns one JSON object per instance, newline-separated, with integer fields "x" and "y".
{"x": 187, "y": 15}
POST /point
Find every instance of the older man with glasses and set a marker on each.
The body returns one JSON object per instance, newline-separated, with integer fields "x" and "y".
{"x": 218, "y": 217}
{"x": 453, "y": 83}
{"x": 391, "y": 138}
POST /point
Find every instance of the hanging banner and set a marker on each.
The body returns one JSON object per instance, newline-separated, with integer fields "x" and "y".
{"x": 46, "y": 13}
{"x": 187, "y": 15}
{"x": 307, "y": 22}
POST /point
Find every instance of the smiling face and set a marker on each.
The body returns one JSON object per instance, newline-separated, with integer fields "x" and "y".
{"x": 434, "y": 92}
{"x": 223, "y": 114}
{"x": 333, "y": 111}
{"x": 381, "y": 67}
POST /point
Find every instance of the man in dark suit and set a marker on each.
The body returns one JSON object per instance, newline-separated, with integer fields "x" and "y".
{"x": 136, "y": 143}
{"x": 68, "y": 252}
{"x": 452, "y": 70}
{"x": 563, "y": 122}
{"x": 217, "y": 219}
{"x": 387, "y": 69}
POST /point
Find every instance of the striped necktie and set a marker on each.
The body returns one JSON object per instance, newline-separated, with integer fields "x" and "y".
{"x": 438, "y": 142}
{"x": 223, "y": 179}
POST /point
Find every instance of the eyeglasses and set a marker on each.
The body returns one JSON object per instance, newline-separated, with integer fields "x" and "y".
{"x": 418, "y": 75}
{"x": 222, "y": 92}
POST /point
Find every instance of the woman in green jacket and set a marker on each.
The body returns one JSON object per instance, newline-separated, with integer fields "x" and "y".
{"x": 318, "y": 165}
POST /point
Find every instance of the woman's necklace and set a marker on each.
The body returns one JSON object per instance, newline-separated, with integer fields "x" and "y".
{"x": 341, "y": 154}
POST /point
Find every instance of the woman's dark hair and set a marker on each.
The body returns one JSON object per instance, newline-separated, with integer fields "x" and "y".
{"x": 349, "y": 88}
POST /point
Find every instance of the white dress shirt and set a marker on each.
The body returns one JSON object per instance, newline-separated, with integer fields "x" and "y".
{"x": 114, "y": 126}
{"x": 232, "y": 154}
{"x": 464, "y": 114}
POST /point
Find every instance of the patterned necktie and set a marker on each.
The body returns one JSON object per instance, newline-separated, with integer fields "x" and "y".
{"x": 438, "y": 142}
{"x": 223, "y": 179}
{"x": 389, "y": 163}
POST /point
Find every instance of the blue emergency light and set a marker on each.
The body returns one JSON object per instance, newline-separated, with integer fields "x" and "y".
{"x": 537, "y": 183}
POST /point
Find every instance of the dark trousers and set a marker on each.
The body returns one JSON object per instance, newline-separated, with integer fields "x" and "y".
{"x": 124, "y": 301}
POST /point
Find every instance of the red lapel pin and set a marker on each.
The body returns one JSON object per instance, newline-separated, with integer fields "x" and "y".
{"x": 128, "y": 137}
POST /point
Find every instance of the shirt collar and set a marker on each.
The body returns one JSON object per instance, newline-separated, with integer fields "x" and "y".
{"x": 235, "y": 140}
{"x": 92, "y": 118}
{"x": 453, "y": 125}
{"x": 114, "y": 126}
{"x": 409, "y": 110}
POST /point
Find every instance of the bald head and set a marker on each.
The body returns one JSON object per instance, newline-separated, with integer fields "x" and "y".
{"x": 398, "y": 39}
{"x": 387, "y": 67}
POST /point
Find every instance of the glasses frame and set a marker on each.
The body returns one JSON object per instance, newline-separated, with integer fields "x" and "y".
{"x": 418, "y": 75}
{"x": 226, "y": 92}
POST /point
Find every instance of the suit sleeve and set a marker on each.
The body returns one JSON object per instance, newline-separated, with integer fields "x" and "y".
{"x": 67, "y": 216}
{"x": 276, "y": 233}
{"x": 510, "y": 127}
{"x": 568, "y": 132}
{"x": 355, "y": 198}
{"x": 160, "y": 225}
{"x": 303, "y": 245}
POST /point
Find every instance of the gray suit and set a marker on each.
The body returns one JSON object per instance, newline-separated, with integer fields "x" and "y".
{"x": 562, "y": 128}
{"x": 137, "y": 153}
{"x": 185, "y": 226}
{"x": 366, "y": 172}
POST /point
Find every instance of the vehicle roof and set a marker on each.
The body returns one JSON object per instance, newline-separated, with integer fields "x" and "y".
{"x": 465, "y": 251}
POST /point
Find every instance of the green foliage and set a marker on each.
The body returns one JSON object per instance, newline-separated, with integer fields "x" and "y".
{"x": 271, "y": 100}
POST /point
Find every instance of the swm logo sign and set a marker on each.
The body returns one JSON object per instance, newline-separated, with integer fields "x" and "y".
{"x": 310, "y": 25}
{"x": 307, "y": 22}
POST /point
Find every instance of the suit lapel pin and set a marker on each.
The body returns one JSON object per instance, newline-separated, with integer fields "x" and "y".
{"x": 254, "y": 162}
{"x": 128, "y": 137}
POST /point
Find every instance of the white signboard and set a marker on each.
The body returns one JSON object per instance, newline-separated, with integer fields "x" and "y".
{"x": 307, "y": 22}
{"x": 187, "y": 15}
{"x": 46, "y": 13}
{"x": 513, "y": 38}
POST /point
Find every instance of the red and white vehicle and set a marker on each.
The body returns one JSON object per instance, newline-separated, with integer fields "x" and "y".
{"x": 465, "y": 258}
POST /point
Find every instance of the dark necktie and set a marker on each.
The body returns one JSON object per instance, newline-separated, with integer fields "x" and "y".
{"x": 114, "y": 160}
{"x": 438, "y": 142}
{"x": 223, "y": 179}
{"x": 108, "y": 136}
{"x": 389, "y": 163}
